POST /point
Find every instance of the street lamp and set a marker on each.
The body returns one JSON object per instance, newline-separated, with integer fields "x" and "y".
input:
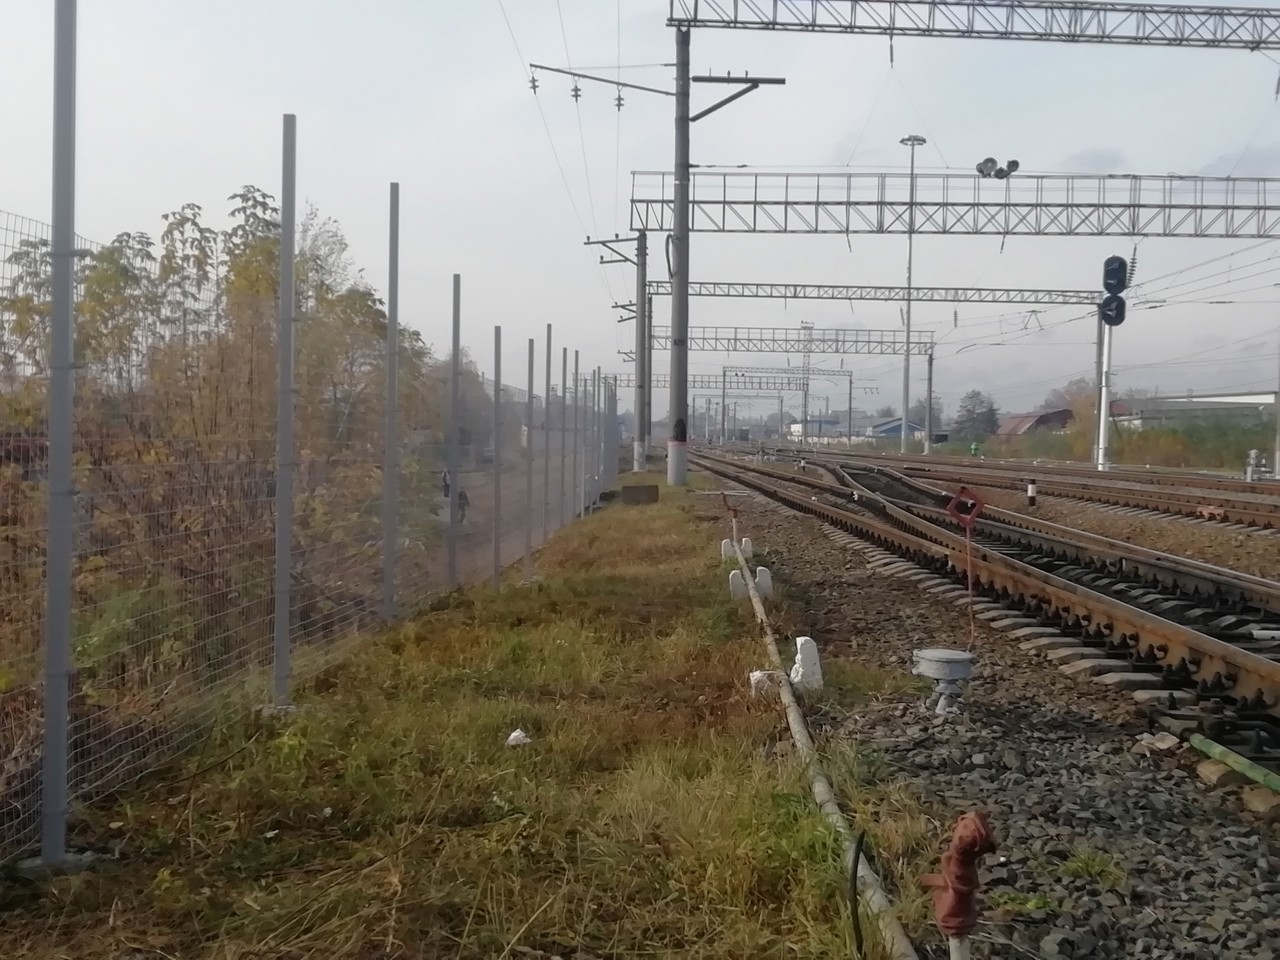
{"x": 912, "y": 140}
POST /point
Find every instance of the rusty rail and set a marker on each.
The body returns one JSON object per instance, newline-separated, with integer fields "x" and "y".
{"x": 1218, "y": 668}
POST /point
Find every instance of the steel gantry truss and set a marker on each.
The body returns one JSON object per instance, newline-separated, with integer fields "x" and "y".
{"x": 791, "y": 340}
{"x": 787, "y": 382}
{"x": 1167, "y": 206}
{"x": 1149, "y": 24}
{"x": 964, "y": 204}
{"x": 832, "y": 291}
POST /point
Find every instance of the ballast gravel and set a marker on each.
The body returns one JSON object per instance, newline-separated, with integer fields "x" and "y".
{"x": 1108, "y": 848}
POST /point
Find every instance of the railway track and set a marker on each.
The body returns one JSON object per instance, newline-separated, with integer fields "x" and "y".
{"x": 1197, "y": 497}
{"x": 1206, "y": 636}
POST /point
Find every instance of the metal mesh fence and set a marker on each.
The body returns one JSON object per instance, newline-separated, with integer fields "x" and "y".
{"x": 175, "y": 469}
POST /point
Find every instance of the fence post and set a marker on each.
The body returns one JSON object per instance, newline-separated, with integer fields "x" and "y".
{"x": 452, "y": 453}
{"x": 593, "y": 457}
{"x": 497, "y": 457}
{"x": 546, "y": 446}
{"x": 285, "y": 463}
{"x": 577, "y": 405}
{"x": 391, "y": 453}
{"x": 563, "y": 432}
{"x": 528, "y": 472}
{"x": 55, "y": 803}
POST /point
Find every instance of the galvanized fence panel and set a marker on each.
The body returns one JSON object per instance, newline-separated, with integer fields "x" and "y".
{"x": 176, "y": 480}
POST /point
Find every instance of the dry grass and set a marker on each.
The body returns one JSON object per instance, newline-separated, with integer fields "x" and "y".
{"x": 385, "y": 818}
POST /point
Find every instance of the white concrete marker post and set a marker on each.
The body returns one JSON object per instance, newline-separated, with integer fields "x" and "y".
{"x": 737, "y": 585}
{"x": 806, "y": 674}
{"x": 764, "y": 582}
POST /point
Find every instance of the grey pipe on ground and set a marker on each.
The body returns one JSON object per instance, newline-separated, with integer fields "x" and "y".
{"x": 870, "y": 888}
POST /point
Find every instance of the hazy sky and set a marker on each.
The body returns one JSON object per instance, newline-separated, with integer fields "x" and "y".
{"x": 181, "y": 101}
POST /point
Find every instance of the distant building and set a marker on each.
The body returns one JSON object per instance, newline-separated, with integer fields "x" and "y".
{"x": 1016, "y": 424}
{"x": 1150, "y": 412}
{"x": 866, "y": 429}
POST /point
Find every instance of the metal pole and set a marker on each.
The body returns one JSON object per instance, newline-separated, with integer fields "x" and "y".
{"x": 546, "y": 446}
{"x": 564, "y": 432}
{"x": 781, "y": 428}
{"x": 452, "y": 452}
{"x": 54, "y": 803}
{"x": 1104, "y": 404}
{"x": 1097, "y": 378}
{"x": 577, "y": 406}
{"x": 594, "y": 458}
{"x": 497, "y": 457}
{"x": 677, "y": 463}
{"x": 391, "y": 453}
{"x": 928, "y": 406}
{"x": 707, "y": 421}
{"x": 648, "y": 374}
{"x": 285, "y": 464}
{"x": 848, "y": 436}
{"x": 906, "y": 353}
{"x": 528, "y": 472}
{"x": 733, "y": 434}
{"x": 724, "y": 405}
{"x": 642, "y": 269}
{"x": 1275, "y": 459}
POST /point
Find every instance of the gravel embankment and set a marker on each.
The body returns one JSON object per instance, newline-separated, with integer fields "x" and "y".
{"x": 1107, "y": 849}
{"x": 1246, "y": 552}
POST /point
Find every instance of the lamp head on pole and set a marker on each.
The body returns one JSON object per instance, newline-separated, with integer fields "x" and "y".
{"x": 913, "y": 140}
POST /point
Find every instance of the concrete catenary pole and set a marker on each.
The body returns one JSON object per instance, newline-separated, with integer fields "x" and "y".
{"x": 642, "y": 334}
{"x": 677, "y": 454}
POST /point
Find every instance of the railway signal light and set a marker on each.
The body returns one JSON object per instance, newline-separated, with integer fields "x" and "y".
{"x": 1111, "y": 310}
{"x": 1115, "y": 275}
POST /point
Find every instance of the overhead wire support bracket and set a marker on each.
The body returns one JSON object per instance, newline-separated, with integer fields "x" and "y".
{"x": 749, "y": 84}
{"x": 620, "y": 256}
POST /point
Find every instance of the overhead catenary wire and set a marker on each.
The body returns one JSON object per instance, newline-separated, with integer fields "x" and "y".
{"x": 555, "y": 153}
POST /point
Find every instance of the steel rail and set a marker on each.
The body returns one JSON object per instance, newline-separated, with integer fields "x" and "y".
{"x": 1184, "y": 501}
{"x": 1154, "y": 476}
{"x": 1219, "y": 668}
{"x": 1180, "y": 573}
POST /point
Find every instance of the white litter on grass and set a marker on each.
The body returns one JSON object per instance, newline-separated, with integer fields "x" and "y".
{"x": 763, "y": 681}
{"x": 518, "y": 738}
{"x": 806, "y": 675}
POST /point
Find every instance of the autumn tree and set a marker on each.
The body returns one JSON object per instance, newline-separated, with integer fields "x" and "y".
{"x": 1067, "y": 396}
{"x": 976, "y": 417}
{"x": 175, "y": 444}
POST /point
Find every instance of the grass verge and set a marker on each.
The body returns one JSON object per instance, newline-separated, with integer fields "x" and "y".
{"x": 386, "y": 817}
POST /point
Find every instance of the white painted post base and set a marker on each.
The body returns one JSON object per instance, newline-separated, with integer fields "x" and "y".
{"x": 764, "y": 583}
{"x": 806, "y": 675}
{"x": 737, "y": 585}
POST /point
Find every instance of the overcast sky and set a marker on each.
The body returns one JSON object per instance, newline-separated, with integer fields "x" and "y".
{"x": 181, "y": 101}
